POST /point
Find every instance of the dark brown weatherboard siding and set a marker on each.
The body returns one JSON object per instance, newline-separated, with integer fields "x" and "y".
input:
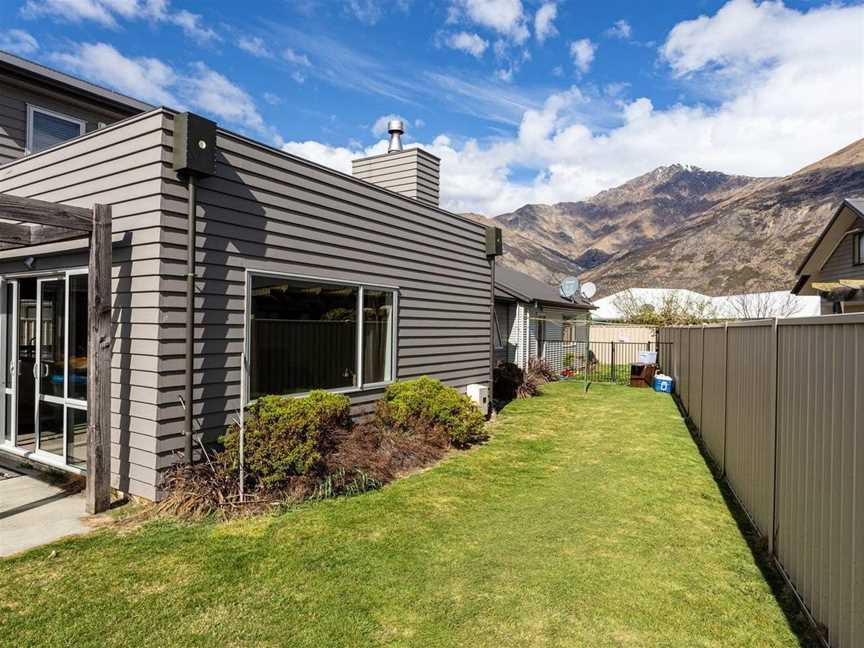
{"x": 16, "y": 93}
{"x": 123, "y": 165}
{"x": 262, "y": 210}
{"x": 265, "y": 210}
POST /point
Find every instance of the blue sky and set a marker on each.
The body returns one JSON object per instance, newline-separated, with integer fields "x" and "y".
{"x": 523, "y": 100}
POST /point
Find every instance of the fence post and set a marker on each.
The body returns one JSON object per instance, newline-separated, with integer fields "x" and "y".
{"x": 772, "y": 431}
{"x": 612, "y": 362}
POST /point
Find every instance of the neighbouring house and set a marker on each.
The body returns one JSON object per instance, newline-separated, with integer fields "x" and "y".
{"x": 762, "y": 305}
{"x": 304, "y": 277}
{"x": 533, "y": 320}
{"x": 833, "y": 269}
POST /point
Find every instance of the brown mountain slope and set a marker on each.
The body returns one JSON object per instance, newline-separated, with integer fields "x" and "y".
{"x": 572, "y": 236}
{"x": 751, "y": 241}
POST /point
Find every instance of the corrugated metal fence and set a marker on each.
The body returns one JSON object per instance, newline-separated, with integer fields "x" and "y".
{"x": 779, "y": 405}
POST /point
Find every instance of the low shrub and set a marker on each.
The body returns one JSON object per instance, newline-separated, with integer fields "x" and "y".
{"x": 506, "y": 378}
{"x": 287, "y": 437}
{"x": 541, "y": 370}
{"x": 418, "y": 404}
{"x": 529, "y": 387}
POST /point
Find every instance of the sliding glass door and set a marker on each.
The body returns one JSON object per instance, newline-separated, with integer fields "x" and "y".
{"x": 44, "y": 322}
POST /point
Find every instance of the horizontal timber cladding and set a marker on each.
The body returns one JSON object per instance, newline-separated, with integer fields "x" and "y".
{"x": 122, "y": 165}
{"x": 783, "y": 403}
{"x": 268, "y": 211}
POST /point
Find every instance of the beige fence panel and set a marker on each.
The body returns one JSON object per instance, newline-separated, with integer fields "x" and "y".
{"x": 780, "y": 406}
{"x": 820, "y": 471}
{"x": 695, "y": 391}
{"x": 619, "y": 333}
{"x": 684, "y": 368}
{"x": 713, "y": 424}
{"x": 749, "y": 443}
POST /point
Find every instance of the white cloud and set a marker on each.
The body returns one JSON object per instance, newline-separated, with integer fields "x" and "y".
{"x": 582, "y": 53}
{"x": 18, "y": 42}
{"x": 621, "y": 29}
{"x": 144, "y": 78}
{"x": 776, "y": 67}
{"x": 272, "y": 98}
{"x": 212, "y": 92}
{"x": 296, "y": 59}
{"x": 544, "y": 21}
{"x": 507, "y": 17}
{"x": 107, "y": 13}
{"x": 255, "y": 45}
{"x": 469, "y": 43}
{"x": 366, "y": 11}
{"x": 151, "y": 80}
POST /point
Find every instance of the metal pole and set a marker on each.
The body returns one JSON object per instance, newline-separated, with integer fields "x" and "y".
{"x": 242, "y": 425}
{"x": 192, "y": 184}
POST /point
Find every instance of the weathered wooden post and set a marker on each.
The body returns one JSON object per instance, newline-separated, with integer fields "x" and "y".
{"x": 99, "y": 363}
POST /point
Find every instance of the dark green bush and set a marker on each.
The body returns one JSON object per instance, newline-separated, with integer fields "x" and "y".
{"x": 287, "y": 437}
{"x": 425, "y": 401}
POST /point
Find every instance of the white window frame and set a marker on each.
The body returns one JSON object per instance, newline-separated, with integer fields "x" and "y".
{"x": 31, "y": 109}
{"x": 330, "y": 281}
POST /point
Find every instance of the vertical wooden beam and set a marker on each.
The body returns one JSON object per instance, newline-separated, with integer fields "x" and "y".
{"x": 99, "y": 363}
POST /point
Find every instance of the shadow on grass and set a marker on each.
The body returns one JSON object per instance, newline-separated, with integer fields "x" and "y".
{"x": 798, "y": 619}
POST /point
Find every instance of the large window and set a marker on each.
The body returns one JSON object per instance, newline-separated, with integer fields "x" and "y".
{"x": 307, "y": 335}
{"x": 46, "y": 128}
{"x": 858, "y": 249}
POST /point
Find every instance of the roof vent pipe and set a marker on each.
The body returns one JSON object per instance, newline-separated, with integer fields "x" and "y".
{"x": 396, "y": 130}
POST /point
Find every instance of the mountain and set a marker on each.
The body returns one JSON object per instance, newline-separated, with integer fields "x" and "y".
{"x": 582, "y": 235}
{"x": 682, "y": 226}
{"x": 752, "y": 241}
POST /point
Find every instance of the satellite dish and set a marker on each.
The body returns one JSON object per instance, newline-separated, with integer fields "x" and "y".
{"x": 589, "y": 289}
{"x": 569, "y": 287}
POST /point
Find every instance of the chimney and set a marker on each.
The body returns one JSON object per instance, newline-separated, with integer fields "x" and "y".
{"x": 411, "y": 172}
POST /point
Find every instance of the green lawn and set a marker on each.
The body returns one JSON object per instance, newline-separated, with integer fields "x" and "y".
{"x": 587, "y": 520}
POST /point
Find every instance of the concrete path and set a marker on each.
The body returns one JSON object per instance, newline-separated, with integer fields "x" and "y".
{"x": 33, "y": 512}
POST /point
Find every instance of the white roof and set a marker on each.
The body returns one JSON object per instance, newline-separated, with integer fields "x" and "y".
{"x": 744, "y": 306}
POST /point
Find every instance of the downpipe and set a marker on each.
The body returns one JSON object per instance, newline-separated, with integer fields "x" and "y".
{"x": 192, "y": 185}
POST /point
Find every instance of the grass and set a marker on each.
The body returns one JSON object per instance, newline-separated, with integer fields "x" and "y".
{"x": 587, "y": 520}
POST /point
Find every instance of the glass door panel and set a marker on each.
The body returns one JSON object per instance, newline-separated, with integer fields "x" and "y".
{"x": 8, "y": 360}
{"x": 50, "y": 367}
{"x": 52, "y": 337}
{"x": 76, "y": 437}
{"x": 78, "y": 329}
{"x": 51, "y": 427}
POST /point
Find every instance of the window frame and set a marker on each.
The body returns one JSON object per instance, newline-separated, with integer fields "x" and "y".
{"x": 32, "y": 109}
{"x": 858, "y": 249}
{"x": 246, "y": 359}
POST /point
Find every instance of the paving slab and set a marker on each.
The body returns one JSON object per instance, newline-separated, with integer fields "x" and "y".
{"x": 34, "y": 512}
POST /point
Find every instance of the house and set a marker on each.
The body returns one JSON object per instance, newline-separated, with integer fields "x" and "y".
{"x": 301, "y": 277}
{"x": 834, "y": 267}
{"x": 533, "y": 320}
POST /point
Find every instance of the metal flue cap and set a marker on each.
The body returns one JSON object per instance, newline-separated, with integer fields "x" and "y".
{"x": 396, "y": 129}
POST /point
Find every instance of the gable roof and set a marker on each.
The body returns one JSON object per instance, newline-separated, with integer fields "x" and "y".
{"x": 511, "y": 284}
{"x": 850, "y": 210}
{"x": 22, "y": 67}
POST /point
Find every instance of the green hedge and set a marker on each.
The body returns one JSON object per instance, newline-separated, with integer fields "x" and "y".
{"x": 286, "y": 437}
{"x": 426, "y": 401}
